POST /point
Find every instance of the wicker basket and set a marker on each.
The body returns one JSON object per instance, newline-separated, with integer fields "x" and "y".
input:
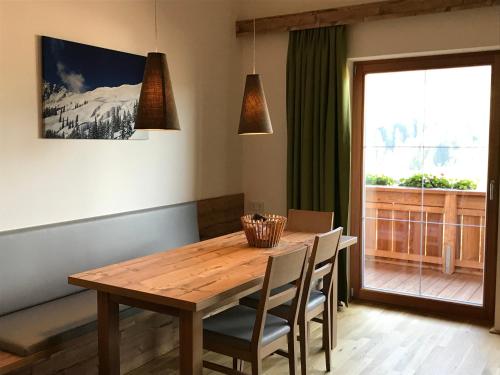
{"x": 263, "y": 233}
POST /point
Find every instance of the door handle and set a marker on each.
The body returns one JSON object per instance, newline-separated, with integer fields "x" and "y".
{"x": 492, "y": 190}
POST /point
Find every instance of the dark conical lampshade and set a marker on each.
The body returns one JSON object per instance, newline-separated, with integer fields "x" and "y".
{"x": 254, "y": 117}
{"x": 157, "y": 109}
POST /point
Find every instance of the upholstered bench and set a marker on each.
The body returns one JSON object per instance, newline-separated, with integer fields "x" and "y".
{"x": 48, "y": 326}
{"x": 40, "y": 312}
{"x": 40, "y": 327}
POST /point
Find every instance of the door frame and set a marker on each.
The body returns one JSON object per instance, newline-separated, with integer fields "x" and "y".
{"x": 361, "y": 68}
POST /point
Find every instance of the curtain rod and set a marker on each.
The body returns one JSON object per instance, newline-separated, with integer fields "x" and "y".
{"x": 356, "y": 13}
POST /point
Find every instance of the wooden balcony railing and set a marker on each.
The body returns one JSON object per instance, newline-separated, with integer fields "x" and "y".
{"x": 438, "y": 227}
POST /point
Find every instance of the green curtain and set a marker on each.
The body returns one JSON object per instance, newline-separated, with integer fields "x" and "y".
{"x": 318, "y": 124}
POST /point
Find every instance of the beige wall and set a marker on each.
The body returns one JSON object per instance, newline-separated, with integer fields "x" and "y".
{"x": 45, "y": 181}
{"x": 264, "y": 158}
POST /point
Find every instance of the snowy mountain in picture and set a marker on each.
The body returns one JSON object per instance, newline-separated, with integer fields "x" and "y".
{"x": 103, "y": 113}
{"x": 89, "y": 92}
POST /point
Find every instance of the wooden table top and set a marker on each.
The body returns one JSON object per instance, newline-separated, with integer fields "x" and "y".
{"x": 194, "y": 277}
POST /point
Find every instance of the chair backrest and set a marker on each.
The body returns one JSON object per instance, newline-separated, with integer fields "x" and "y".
{"x": 282, "y": 270}
{"x": 310, "y": 221}
{"x": 321, "y": 265}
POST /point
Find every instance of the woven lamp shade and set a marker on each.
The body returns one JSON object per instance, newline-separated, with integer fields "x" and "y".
{"x": 254, "y": 117}
{"x": 157, "y": 110}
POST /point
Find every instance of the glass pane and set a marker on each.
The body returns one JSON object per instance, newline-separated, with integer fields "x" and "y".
{"x": 454, "y": 199}
{"x": 456, "y": 168}
{"x": 392, "y": 220}
{"x": 394, "y": 109}
{"x": 426, "y": 169}
{"x": 457, "y": 107}
{"x": 460, "y": 275}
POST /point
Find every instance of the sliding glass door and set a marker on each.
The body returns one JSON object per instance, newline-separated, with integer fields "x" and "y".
{"x": 426, "y": 178}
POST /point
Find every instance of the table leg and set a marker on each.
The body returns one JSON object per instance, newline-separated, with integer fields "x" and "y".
{"x": 191, "y": 342}
{"x": 333, "y": 307}
{"x": 108, "y": 335}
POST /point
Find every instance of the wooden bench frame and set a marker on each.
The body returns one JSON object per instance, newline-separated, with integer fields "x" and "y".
{"x": 144, "y": 336}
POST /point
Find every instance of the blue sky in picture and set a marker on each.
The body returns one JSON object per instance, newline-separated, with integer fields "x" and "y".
{"x": 80, "y": 67}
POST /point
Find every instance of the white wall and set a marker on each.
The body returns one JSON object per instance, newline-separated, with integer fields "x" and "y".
{"x": 46, "y": 181}
{"x": 264, "y": 158}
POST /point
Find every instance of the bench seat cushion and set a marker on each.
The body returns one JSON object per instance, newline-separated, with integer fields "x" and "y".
{"x": 37, "y": 328}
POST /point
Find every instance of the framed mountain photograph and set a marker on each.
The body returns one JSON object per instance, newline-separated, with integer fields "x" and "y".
{"x": 89, "y": 92}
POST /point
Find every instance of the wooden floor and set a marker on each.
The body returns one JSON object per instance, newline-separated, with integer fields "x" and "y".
{"x": 436, "y": 284}
{"x": 380, "y": 340}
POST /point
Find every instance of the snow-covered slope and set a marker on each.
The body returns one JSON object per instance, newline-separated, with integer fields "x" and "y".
{"x": 101, "y": 106}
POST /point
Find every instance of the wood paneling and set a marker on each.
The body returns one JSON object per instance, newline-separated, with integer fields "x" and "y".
{"x": 433, "y": 230}
{"x": 9, "y": 362}
{"x": 434, "y": 236}
{"x": 143, "y": 337}
{"x": 450, "y": 243}
{"x": 219, "y": 216}
{"x": 471, "y": 244}
{"x": 357, "y": 13}
{"x": 416, "y": 233}
{"x": 384, "y": 230}
{"x": 400, "y": 232}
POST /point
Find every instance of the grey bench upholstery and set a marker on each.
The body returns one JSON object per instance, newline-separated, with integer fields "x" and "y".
{"x": 35, "y": 264}
{"x": 37, "y": 328}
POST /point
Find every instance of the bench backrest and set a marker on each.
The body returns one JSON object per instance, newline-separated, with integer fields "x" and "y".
{"x": 35, "y": 262}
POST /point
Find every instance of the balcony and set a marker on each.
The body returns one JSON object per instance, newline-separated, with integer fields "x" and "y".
{"x": 425, "y": 241}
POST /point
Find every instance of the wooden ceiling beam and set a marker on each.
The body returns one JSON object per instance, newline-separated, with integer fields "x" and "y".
{"x": 357, "y": 13}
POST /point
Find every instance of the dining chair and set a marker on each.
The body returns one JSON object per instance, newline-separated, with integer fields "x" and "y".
{"x": 248, "y": 334}
{"x": 309, "y": 221}
{"x": 321, "y": 264}
{"x": 316, "y": 222}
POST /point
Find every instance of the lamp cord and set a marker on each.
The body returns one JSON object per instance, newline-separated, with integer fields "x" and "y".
{"x": 156, "y": 30}
{"x": 254, "y": 46}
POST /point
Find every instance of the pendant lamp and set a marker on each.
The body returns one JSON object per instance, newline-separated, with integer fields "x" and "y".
{"x": 254, "y": 118}
{"x": 156, "y": 110}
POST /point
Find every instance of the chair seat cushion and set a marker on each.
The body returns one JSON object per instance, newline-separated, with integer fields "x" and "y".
{"x": 316, "y": 298}
{"x": 31, "y": 330}
{"x": 237, "y": 323}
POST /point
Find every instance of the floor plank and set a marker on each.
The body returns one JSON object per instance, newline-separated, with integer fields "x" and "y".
{"x": 429, "y": 282}
{"x": 382, "y": 340}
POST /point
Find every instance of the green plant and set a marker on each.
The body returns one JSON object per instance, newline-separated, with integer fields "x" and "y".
{"x": 426, "y": 181}
{"x": 429, "y": 181}
{"x": 464, "y": 185}
{"x": 422, "y": 180}
{"x": 372, "y": 179}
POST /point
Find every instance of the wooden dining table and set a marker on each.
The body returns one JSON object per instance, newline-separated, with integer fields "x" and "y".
{"x": 188, "y": 282}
